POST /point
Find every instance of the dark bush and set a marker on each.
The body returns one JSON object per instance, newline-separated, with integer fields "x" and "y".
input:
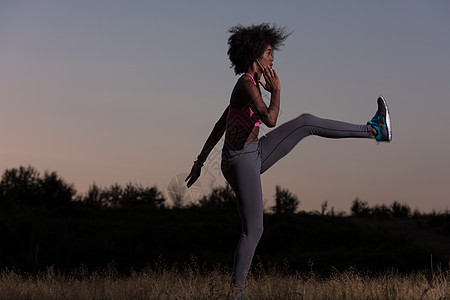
{"x": 24, "y": 186}
{"x": 116, "y": 196}
{"x": 285, "y": 202}
{"x": 220, "y": 197}
{"x": 359, "y": 208}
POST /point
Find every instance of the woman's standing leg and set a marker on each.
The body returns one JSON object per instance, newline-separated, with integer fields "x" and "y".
{"x": 243, "y": 174}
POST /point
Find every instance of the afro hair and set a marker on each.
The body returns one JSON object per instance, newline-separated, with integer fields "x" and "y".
{"x": 247, "y": 43}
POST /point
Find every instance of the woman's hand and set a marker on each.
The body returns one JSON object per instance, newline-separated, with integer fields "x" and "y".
{"x": 272, "y": 81}
{"x": 194, "y": 175}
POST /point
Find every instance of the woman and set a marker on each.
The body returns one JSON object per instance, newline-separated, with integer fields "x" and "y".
{"x": 244, "y": 156}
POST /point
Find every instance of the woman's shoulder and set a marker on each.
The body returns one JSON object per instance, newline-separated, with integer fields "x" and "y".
{"x": 245, "y": 84}
{"x": 248, "y": 79}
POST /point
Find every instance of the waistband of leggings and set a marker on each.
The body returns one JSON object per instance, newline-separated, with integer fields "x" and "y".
{"x": 248, "y": 148}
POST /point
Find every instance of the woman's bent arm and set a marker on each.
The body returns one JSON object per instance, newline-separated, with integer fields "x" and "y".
{"x": 269, "y": 115}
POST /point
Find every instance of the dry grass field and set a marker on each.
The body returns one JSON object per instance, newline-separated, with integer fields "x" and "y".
{"x": 194, "y": 284}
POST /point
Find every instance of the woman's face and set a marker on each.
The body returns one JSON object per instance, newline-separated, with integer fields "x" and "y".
{"x": 266, "y": 60}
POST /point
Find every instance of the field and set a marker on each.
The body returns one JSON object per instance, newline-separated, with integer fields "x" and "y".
{"x": 192, "y": 283}
{"x": 329, "y": 257}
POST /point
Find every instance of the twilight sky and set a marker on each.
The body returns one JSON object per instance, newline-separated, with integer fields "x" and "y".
{"x": 128, "y": 91}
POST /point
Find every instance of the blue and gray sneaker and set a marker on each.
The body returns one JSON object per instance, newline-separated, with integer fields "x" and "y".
{"x": 382, "y": 122}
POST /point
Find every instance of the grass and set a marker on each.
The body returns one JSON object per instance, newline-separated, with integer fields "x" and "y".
{"x": 192, "y": 283}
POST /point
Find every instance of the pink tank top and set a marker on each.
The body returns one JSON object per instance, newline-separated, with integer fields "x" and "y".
{"x": 243, "y": 116}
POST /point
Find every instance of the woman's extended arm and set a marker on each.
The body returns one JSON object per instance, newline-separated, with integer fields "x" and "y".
{"x": 211, "y": 141}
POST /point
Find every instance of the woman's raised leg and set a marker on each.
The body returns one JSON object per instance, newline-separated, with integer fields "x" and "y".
{"x": 280, "y": 141}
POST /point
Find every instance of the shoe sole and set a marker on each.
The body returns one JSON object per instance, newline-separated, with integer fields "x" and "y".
{"x": 388, "y": 119}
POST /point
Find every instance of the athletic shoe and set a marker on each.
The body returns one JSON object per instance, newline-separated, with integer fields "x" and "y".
{"x": 240, "y": 296}
{"x": 382, "y": 122}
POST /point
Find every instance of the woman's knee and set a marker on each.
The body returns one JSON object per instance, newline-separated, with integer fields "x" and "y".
{"x": 256, "y": 231}
{"x": 306, "y": 117}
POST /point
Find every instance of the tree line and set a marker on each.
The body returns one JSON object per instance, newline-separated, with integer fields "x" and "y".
{"x": 25, "y": 186}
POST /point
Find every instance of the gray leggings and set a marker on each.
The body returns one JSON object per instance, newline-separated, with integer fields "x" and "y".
{"x": 242, "y": 169}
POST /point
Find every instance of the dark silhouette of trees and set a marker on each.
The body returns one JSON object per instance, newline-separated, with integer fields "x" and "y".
{"x": 381, "y": 211}
{"x": 138, "y": 195}
{"x": 24, "y": 186}
{"x": 116, "y": 196}
{"x": 93, "y": 198}
{"x": 19, "y": 186}
{"x": 359, "y": 208}
{"x": 400, "y": 210}
{"x": 220, "y": 197}
{"x": 395, "y": 210}
{"x": 54, "y": 191}
{"x": 285, "y": 201}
